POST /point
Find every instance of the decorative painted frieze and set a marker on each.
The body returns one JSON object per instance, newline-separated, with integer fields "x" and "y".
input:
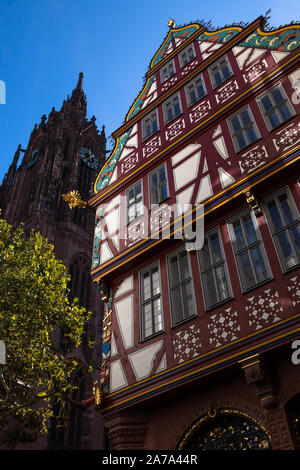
{"x": 285, "y": 39}
{"x": 151, "y": 146}
{"x": 168, "y": 83}
{"x": 254, "y": 71}
{"x": 227, "y": 91}
{"x": 223, "y": 327}
{"x": 175, "y": 129}
{"x": 264, "y": 309}
{"x": 187, "y": 343}
{"x": 293, "y": 285}
{"x": 287, "y": 137}
{"x": 199, "y": 111}
{"x": 253, "y": 159}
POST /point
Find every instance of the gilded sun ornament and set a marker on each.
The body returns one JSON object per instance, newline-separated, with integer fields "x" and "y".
{"x": 73, "y": 198}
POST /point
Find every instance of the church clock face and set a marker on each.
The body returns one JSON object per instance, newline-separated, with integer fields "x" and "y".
{"x": 33, "y": 157}
{"x": 89, "y": 158}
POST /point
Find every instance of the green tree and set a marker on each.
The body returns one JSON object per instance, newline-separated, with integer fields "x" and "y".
{"x": 34, "y": 307}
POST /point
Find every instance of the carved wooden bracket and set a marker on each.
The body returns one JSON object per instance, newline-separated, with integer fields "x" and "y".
{"x": 253, "y": 203}
{"x": 257, "y": 372}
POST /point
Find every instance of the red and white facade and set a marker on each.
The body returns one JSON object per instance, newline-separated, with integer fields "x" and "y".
{"x": 190, "y": 334}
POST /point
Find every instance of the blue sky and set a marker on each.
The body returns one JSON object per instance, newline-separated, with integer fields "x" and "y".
{"x": 46, "y": 43}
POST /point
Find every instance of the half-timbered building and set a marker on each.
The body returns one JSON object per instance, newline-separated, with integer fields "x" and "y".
{"x": 197, "y": 246}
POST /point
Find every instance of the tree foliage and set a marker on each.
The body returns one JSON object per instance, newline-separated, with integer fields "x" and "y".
{"x": 34, "y": 307}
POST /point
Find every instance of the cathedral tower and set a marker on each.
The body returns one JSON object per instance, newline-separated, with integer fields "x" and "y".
{"x": 65, "y": 152}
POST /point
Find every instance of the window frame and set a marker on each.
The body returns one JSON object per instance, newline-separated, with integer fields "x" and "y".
{"x": 180, "y": 284}
{"x": 237, "y": 252}
{"x": 171, "y": 98}
{"x": 152, "y": 132}
{"x": 183, "y": 52}
{"x": 265, "y": 113}
{"x": 276, "y": 232}
{"x": 163, "y": 80}
{"x": 143, "y": 302}
{"x": 135, "y": 202}
{"x": 164, "y": 165}
{"x": 212, "y": 267}
{"x": 216, "y": 63}
{"x": 243, "y": 130}
{"x": 193, "y": 81}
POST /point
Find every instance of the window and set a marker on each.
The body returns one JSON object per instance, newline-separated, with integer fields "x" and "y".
{"x": 249, "y": 251}
{"x": 187, "y": 55}
{"x": 158, "y": 185}
{"x": 195, "y": 90}
{"x": 150, "y": 124}
{"x": 151, "y": 307}
{"x": 243, "y": 129}
{"x": 284, "y": 222}
{"x": 172, "y": 108}
{"x": 219, "y": 72}
{"x": 167, "y": 71}
{"x": 180, "y": 286}
{"x": 134, "y": 201}
{"x": 275, "y": 107}
{"x": 214, "y": 274}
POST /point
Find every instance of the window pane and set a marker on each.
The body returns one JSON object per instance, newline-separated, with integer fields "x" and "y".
{"x": 250, "y": 229}
{"x": 177, "y": 109}
{"x": 295, "y": 232}
{"x": 209, "y": 288}
{"x": 239, "y": 236}
{"x": 286, "y": 208}
{"x": 131, "y": 213}
{"x": 184, "y": 265}
{"x": 174, "y": 272}
{"x": 162, "y": 174}
{"x": 277, "y": 95}
{"x": 155, "y": 281}
{"x": 241, "y": 141}
{"x": 154, "y": 180}
{"x": 275, "y": 215}
{"x": 177, "y": 312}
{"x": 154, "y": 126}
{"x": 215, "y": 248}
{"x": 138, "y": 188}
{"x": 261, "y": 270}
{"x": 245, "y": 117}
{"x": 226, "y": 72}
{"x": 247, "y": 269}
{"x": 164, "y": 192}
{"x": 267, "y": 104}
{"x": 188, "y": 300}
{"x": 217, "y": 79}
{"x": 221, "y": 283}
{"x": 146, "y": 286}
{"x": 274, "y": 120}
{"x": 288, "y": 252}
{"x": 154, "y": 196}
{"x": 251, "y": 134}
{"x": 205, "y": 255}
{"x": 236, "y": 123}
{"x": 139, "y": 208}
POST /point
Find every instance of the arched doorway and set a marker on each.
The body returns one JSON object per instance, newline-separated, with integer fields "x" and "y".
{"x": 225, "y": 429}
